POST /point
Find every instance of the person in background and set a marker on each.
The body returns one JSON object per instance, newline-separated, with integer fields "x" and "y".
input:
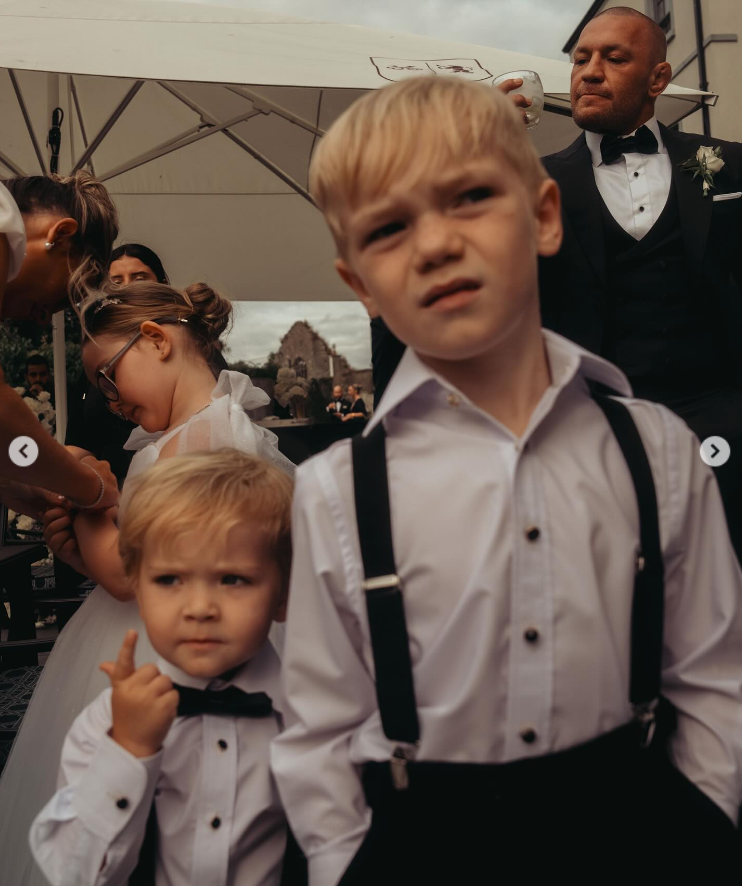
{"x": 37, "y": 375}
{"x": 357, "y": 411}
{"x": 338, "y": 406}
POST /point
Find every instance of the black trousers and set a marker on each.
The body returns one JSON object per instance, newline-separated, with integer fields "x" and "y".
{"x": 713, "y": 414}
{"x": 605, "y": 810}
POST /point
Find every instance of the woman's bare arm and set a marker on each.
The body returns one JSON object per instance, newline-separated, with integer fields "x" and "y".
{"x": 54, "y": 469}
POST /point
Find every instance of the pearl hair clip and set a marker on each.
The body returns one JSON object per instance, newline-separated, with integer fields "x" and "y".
{"x": 106, "y": 301}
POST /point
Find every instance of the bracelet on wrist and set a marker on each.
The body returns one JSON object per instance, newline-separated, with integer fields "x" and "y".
{"x": 101, "y": 493}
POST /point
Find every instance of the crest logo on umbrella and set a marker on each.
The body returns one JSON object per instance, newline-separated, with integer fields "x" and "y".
{"x": 402, "y": 68}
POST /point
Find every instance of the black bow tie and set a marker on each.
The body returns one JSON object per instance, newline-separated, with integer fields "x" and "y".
{"x": 229, "y": 702}
{"x": 613, "y": 146}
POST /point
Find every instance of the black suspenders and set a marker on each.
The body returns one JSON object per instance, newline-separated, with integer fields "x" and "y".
{"x": 395, "y": 689}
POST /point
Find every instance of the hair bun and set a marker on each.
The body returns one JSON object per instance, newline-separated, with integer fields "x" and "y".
{"x": 213, "y": 310}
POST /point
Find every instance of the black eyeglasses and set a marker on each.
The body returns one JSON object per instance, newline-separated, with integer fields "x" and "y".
{"x": 106, "y": 385}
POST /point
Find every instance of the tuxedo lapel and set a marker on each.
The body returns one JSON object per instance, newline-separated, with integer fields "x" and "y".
{"x": 573, "y": 171}
{"x": 694, "y": 209}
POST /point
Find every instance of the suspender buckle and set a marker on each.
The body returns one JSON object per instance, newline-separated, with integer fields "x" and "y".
{"x": 398, "y": 766}
{"x": 646, "y": 716}
{"x": 381, "y": 582}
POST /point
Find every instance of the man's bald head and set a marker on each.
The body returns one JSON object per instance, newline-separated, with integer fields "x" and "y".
{"x": 656, "y": 40}
{"x": 618, "y": 72}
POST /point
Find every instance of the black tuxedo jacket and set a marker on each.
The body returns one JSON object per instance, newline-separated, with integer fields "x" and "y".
{"x": 573, "y": 283}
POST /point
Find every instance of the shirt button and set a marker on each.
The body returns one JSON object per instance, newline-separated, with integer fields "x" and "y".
{"x": 641, "y": 209}
{"x": 216, "y": 822}
{"x": 222, "y": 744}
{"x": 636, "y": 175}
{"x": 531, "y": 634}
{"x": 122, "y": 803}
{"x": 528, "y": 735}
{"x": 453, "y": 400}
{"x": 532, "y": 533}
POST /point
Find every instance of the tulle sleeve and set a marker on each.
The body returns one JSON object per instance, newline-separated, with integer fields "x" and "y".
{"x": 226, "y": 423}
{"x": 11, "y": 224}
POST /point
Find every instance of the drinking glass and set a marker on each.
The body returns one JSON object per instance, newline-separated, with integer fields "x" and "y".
{"x": 532, "y": 89}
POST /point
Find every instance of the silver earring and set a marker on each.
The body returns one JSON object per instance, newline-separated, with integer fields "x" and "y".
{"x": 48, "y": 246}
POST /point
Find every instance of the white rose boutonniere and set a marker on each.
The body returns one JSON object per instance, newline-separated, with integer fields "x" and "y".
{"x": 706, "y": 163}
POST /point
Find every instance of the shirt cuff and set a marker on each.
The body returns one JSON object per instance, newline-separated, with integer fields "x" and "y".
{"x": 326, "y": 867}
{"x": 114, "y": 788}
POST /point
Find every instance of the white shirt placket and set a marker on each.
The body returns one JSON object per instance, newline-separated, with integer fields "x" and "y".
{"x": 211, "y": 850}
{"x": 531, "y": 663}
{"x": 641, "y": 199}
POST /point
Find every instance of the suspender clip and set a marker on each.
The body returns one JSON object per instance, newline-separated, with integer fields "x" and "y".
{"x": 646, "y": 716}
{"x": 398, "y": 766}
{"x": 381, "y": 582}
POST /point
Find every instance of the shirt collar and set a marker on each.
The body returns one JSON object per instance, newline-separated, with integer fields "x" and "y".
{"x": 261, "y": 674}
{"x": 566, "y": 361}
{"x": 594, "y": 139}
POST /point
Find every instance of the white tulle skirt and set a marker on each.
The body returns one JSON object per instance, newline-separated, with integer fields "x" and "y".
{"x": 70, "y": 680}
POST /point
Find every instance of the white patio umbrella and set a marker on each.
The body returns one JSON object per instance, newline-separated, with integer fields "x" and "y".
{"x": 201, "y": 120}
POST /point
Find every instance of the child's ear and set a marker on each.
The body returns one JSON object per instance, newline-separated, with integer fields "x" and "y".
{"x": 158, "y": 336}
{"x": 548, "y": 218}
{"x": 280, "y": 613}
{"x": 350, "y": 278}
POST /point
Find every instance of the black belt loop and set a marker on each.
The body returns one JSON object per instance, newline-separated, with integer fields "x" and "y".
{"x": 395, "y": 690}
{"x": 647, "y": 613}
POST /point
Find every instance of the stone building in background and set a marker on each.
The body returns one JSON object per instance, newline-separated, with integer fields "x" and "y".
{"x": 304, "y": 350}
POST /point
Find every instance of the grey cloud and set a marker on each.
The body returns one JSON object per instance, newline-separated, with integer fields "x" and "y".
{"x": 536, "y": 27}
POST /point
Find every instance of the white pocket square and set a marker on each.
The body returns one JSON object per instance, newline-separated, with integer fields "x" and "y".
{"x": 735, "y": 196}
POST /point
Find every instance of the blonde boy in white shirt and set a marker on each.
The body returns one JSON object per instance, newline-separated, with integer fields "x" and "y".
{"x": 516, "y": 541}
{"x": 205, "y": 539}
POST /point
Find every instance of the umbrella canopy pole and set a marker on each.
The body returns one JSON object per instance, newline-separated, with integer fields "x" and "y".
{"x": 13, "y": 167}
{"x": 240, "y": 142}
{"x": 27, "y": 119}
{"x": 60, "y": 374}
{"x": 59, "y": 359}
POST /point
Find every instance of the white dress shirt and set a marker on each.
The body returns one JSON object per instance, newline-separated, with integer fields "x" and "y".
{"x": 635, "y": 188}
{"x": 219, "y": 816}
{"x": 464, "y": 493}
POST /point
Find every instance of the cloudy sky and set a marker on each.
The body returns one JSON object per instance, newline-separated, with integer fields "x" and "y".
{"x": 538, "y": 27}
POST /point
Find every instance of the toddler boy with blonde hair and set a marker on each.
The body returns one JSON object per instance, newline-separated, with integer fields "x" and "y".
{"x": 477, "y": 659}
{"x": 165, "y": 777}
